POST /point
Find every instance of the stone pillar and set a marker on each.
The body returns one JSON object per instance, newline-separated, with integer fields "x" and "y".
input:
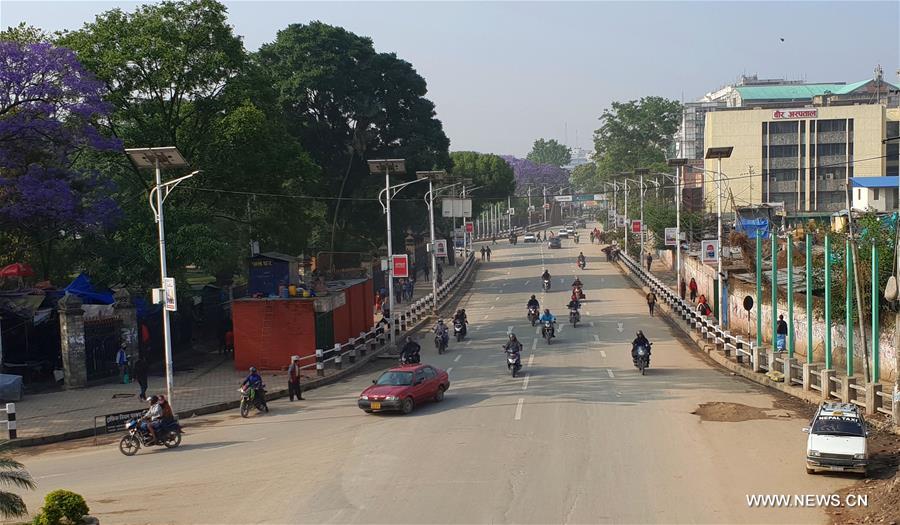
{"x": 825, "y": 377}
{"x": 126, "y": 311}
{"x": 847, "y": 391}
{"x": 755, "y": 354}
{"x": 808, "y": 370}
{"x": 71, "y": 333}
{"x": 872, "y": 398}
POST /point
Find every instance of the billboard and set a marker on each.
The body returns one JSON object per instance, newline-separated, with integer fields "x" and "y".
{"x": 671, "y": 236}
{"x": 708, "y": 250}
{"x": 456, "y": 208}
{"x": 635, "y": 226}
{"x": 440, "y": 247}
{"x": 400, "y": 264}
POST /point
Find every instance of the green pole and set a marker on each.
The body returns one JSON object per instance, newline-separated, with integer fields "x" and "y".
{"x": 827, "y": 302}
{"x": 790, "y": 297}
{"x": 848, "y": 308}
{"x": 758, "y": 289}
{"x": 809, "y": 300}
{"x": 774, "y": 238}
{"x": 876, "y": 322}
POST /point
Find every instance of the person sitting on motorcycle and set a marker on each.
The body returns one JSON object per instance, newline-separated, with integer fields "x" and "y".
{"x": 513, "y": 347}
{"x": 533, "y": 303}
{"x": 548, "y": 317}
{"x": 581, "y": 259}
{"x": 440, "y": 329}
{"x": 150, "y": 419}
{"x": 461, "y": 317}
{"x": 577, "y": 283}
{"x": 546, "y": 275}
{"x": 574, "y": 304}
{"x": 640, "y": 340}
{"x": 255, "y": 382}
{"x": 410, "y": 349}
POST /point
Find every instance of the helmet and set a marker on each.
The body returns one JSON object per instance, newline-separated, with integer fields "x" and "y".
{"x": 153, "y": 399}
{"x": 546, "y": 310}
{"x": 252, "y": 369}
{"x": 512, "y": 336}
{"x": 440, "y": 321}
{"x": 532, "y": 296}
{"x": 640, "y": 333}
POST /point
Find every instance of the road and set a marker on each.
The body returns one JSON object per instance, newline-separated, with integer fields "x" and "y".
{"x": 581, "y": 437}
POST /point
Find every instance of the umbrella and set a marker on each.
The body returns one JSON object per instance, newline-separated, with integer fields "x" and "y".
{"x": 16, "y": 270}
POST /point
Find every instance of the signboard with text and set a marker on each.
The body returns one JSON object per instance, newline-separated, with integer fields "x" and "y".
{"x": 562, "y": 198}
{"x": 170, "y": 299}
{"x": 795, "y": 114}
{"x": 456, "y": 208}
{"x": 708, "y": 250}
{"x": 636, "y": 226}
{"x": 620, "y": 221}
{"x": 470, "y": 227}
{"x": 400, "y": 265}
{"x": 440, "y": 247}
{"x": 671, "y": 236}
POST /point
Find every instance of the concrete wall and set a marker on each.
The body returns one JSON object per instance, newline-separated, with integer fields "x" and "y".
{"x": 740, "y": 323}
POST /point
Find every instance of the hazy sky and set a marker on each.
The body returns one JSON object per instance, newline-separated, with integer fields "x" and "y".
{"x": 505, "y": 73}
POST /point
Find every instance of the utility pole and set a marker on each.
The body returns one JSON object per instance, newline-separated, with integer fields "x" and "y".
{"x": 679, "y": 167}
{"x": 719, "y": 153}
{"x": 641, "y": 173}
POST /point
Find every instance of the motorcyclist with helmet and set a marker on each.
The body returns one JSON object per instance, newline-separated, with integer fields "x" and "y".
{"x": 460, "y": 316}
{"x": 410, "y": 351}
{"x": 255, "y": 382}
{"x": 546, "y": 278}
{"x": 548, "y": 317}
{"x": 152, "y": 419}
{"x": 640, "y": 340}
{"x": 581, "y": 261}
{"x": 513, "y": 348}
{"x": 440, "y": 329}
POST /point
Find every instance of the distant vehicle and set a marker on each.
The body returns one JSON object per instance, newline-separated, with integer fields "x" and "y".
{"x": 579, "y": 223}
{"x": 404, "y": 387}
{"x": 563, "y": 232}
{"x": 570, "y": 230}
{"x": 529, "y": 237}
{"x": 554, "y": 243}
{"x": 837, "y": 440}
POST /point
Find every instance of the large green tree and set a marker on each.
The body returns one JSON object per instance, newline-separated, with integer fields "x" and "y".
{"x": 177, "y": 75}
{"x": 584, "y": 177}
{"x": 635, "y": 134}
{"x": 348, "y": 103}
{"x": 495, "y": 176}
{"x": 549, "y": 152}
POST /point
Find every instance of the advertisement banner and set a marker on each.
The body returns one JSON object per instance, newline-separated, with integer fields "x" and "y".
{"x": 400, "y": 264}
{"x": 708, "y": 250}
{"x": 620, "y": 221}
{"x": 456, "y": 208}
{"x": 470, "y": 227}
{"x": 671, "y": 234}
{"x": 440, "y": 247}
{"x": 169, "y": 287}
{"x": 635, "y": 226}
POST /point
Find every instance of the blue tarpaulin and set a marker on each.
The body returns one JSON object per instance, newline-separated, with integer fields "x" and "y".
{"x": 752, "y": 226}
{"x": 83, "y": 288}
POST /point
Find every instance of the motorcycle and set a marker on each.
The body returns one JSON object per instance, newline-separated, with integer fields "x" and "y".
{"x": 440, "y": 342}
{"x": 459, "y": 329}
{"x": 251, "y": 397}
{"x": 533, "y": 315}
{"x": 642, "y": 357}
{"x": 574, "y": 316}
{"x": 546, "y": 285}
{"x": 410, "y": 359}
{"x": 168, "y": 435}
{"x": 578, "y": 291}
{"x": 582, "y": 263}
{"x": 547, "y": 331}
{"x": 513, "y": 362}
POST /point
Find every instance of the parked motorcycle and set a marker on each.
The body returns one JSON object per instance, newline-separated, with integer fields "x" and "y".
{"x": 250, "y": 398}
{"x": 513, "y": 362}
{"x": 533, "y": 315}
{"x": 168, "y": 435}
{"x": 642, "y": 357}
{"x": 547, "y": 331}
{"x": 574, "y": 316}
{"x": 459, "y": 329}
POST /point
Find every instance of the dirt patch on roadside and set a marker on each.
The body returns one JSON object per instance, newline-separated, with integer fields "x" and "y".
{"x": 882, "y": 485}
{"x": 735, "y": 412}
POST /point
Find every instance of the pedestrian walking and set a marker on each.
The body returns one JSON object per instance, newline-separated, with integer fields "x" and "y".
{"x": 651, "y": 302}
{"x": 682, "y": 289}
{"x": 398, "y": 291}
{"x": 122, "y": 363}
{"x": 426, "y": 270}
{"x": 781, "y": 332}
{"x": 440, "y": 274}
{"x": 483, "y": 252}
{"x": 693, "y": 288}
{"x": 649, "y": 260}
{"x": 294, "y": 389}
{"x": 489, "y": 253}
{"x": 408, "y": 289}
{"x": 592, "y": 236}
{"x": 140, "y": 375}
{"x": 378, "y": 301}
{"x": 493, "y": 239}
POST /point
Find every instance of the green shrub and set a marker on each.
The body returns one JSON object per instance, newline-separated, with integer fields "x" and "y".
{"x": 61, "y": 506}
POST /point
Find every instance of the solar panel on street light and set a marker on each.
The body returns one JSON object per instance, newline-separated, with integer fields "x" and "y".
{"x": 394, "y": 166}
{"x": 166, "y": 157}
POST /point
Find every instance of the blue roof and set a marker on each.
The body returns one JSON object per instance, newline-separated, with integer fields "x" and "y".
{"x": 876, "y": 182}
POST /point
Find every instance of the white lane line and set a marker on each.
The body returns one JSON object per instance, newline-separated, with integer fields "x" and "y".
{"x": 587, "y": 313}
{"x": 596, "y": 338}
{"x": 519, "y": 408}
{"x": 449, "y": 370}
{"x": 52, "y": 476}
{"x": 259, "y": 439}
{"x": 610, "y": 372}
{"x": 497, "y": 298}
{"x": 562, "y": 280}
{"x": 456, "y": 360}
{"x": 534, "y": 343}
{"x": 603, "y": 353}
{"x": 485, "y": 316}
{"x": 525, "y": 383}
{"x": 537, "y": 331}
{"x": 531, "y": 360}
{"x": 492, "y": 307}
{"x": 468, "y": 342}
{"x": 526, "y": 282}
{"x": 509, "y": 329}
{"x": 592, "y": 324}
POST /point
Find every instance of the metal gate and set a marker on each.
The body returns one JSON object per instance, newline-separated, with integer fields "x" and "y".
{"x": 101, "y": 342}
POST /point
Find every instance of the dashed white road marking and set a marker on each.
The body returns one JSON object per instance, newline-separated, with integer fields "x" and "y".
{"x": 592, "y": 324}
{"x": 526, "y": 282}
{"x": 596, "y": 338}
{"x": 457, "y": 358}
{"x": 468, "y": 342}
{"x": 509, "y": 329}
{"x": 52, "y": 476}
{"x": 603, "y": 353}
{"x": 485, "y": 316}
{"x": 519, "y": 408}
{"x": 610, "y": 372}
{"x": 497, "y": 298}
{"x": 531, "y": 360}
{"x": 525, "y": 383}
{"x": 587, "y": 313}
{"x": 492, "y": 307}
{"x": 534, "y": 343}
{"x": 449, "y": 370}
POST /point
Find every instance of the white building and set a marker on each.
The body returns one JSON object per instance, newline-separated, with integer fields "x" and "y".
{"x": 875, "y": 193}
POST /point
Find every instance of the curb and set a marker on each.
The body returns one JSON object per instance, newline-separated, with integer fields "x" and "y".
{"x": 270, "y": 395}
{"x": 813, "y": 398}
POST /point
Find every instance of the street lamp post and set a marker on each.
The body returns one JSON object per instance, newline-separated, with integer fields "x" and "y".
{"x": 432, "y": 176}
{"x": 640, "y": 172}
{"x": 168, "y": 157}
{"x": 679, "y": 166}
{"x": 719, "y": 154}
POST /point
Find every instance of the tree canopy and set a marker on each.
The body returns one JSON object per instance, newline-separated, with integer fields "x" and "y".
{"x": 491, "y": 172}
{"x": 549, "y": 152}
{"x": 536, "y": 175}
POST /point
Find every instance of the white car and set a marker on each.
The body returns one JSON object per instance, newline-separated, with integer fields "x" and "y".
{"x": 529, "y": 237}
{"x": 837, "y": 440}
{"x": 563, "y": 233}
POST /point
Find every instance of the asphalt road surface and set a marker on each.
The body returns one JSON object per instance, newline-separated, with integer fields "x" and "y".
{"x": 580, "y": 437}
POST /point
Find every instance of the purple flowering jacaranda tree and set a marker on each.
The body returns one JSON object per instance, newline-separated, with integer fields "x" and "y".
{"x": 538, "y": 175}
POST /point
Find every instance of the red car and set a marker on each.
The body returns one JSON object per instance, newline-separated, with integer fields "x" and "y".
{"x": 404, "y": 387}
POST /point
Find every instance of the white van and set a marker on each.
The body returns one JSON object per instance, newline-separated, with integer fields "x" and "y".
{"x": 837, "y": 440}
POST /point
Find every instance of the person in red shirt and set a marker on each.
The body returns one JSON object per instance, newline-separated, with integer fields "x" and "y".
{"x": 294, "y": 389}
{"x": 229, "y": 342}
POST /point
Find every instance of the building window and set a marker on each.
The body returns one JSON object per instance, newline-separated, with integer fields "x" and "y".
{"x": 825, "y": 126}
{"x": 876, "y": 194}
{"x": 825, "y": 150}
{"x": 783, "y": 127}
{"x": 790, "y": 150}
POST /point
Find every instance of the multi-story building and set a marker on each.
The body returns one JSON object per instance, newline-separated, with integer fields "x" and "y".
{"x": 799, "y": 144}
